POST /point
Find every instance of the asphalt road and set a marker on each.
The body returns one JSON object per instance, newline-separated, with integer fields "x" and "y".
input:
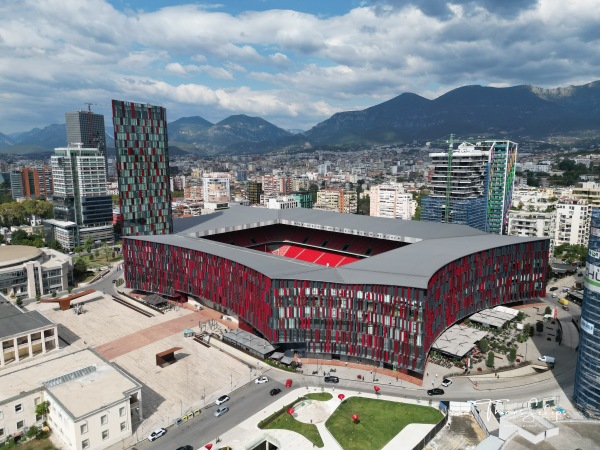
{"x": 244, "y": 403}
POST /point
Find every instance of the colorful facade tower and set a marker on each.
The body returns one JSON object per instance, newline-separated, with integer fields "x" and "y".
{"x": 586, "y": 395}
{"x": 143, "y": 168}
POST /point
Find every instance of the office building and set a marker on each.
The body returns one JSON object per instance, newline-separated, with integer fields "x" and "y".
{"x": 216, "y": 187}
{"x": 82, "y": 207}
{"x": 472, "y": 185}
{"x": 339, "y": 286}
{"x": 86, "y": 128}
{"x": 304, "y": 199}
{"x": 143, "y": 168}
{"x": 586, "y": 395}
{"x": 254, "y": 192}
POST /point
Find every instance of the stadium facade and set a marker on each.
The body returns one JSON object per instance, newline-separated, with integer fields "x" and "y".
{"x": 336, "y": 285}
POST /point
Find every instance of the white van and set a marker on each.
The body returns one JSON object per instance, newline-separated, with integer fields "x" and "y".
{"x": 547, "y": 359}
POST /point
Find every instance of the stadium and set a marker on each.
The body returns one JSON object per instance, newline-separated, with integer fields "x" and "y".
{"x": 338, "y": 286}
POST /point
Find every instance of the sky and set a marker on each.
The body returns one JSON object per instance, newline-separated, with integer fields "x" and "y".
{"x": 292, "y": 62}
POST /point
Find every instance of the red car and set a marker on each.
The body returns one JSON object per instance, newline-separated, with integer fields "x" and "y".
{"x": 288, "y": 383}
{"x": 566, "y": 308}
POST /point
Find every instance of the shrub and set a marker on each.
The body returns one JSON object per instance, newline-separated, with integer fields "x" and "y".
{"x": 512, "y": 355}
{"x": 539, "y": 326}
{"x": 484, "y": 345}
{"x": 520, "y": 316}
{"x": 490, "y": 359}
{"x": 19, "y": 302}
{"x": 548, "y": 310}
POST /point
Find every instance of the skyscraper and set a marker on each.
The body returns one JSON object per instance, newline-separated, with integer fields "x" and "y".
{"x": 31, "y": 182}
{"x": 143, "y": 168}
{"x": 586, "y": 394}
{"x": 87, "y": 128}
{"x": 472, "y": 185}
{"x": 82, "y": 207}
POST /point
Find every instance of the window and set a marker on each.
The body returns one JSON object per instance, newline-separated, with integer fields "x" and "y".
{"x": 18, "y": 408}
{"x": 104, "y": 419}
{"x": 84, "y": 428}
{"x": 38, "y": 417}
{"x": 19, "y": 424}
{"x": 123, "y": 426}
{"x": 37, "y": 401}
{"x": 122, "y": 411}
{"x": 85, "y": 444}
{"x": 1, "y": 432}
{"x": 104, "y": 435}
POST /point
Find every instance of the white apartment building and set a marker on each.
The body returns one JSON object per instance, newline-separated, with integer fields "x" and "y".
{"x": 390, "y": 200}
{"x": 216, "y": 187}
{"x": 532, "y": 223}
{"x": 282, "y": 203}
{"x": 92, "y": 403}
{"x": 572, "y": 222}
{"x": 589, "y": 191}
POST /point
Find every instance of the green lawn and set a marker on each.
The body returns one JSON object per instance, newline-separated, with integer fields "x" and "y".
{"x": 322, "y": 396}
{"x": 379, "y": 421}
{"x": 287, "y": 422}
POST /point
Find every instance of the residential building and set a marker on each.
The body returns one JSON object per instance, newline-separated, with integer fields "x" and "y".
{"x": 337, "y": 199}
{"x": 390, "y": 200}
{"x": 274, "y": 185}
{"x": 216, "y": 187}
{"x": 93, "y": 404}
{"x": 193, "y": 193}
{"x": 82, "y": 206}
{"x": 586, "y": 395}
{"x": 31, "y": 182}
{"x": 473, "y": 185}
{"x": 572, "y": 222}
{"x": 589, "y": 191}
{"x": 142, "y": 149}
{"x": 532, "y": 224}
{"x": 23, "y": 335}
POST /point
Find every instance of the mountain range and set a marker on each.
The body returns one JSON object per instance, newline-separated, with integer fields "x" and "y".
{"x": 519, "y": 113}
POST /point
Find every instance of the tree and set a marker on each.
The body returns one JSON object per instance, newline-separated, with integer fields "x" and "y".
{"x": 79, "y": 268}
{"x": 42, "y": 409}
{"x": 54, "y": 244}
{"x": 78, "y": 249}
{"x": 364, "y": 205}
{"x": 106, "y": 250}
{"x": 88, "y": 244}
{"x": 484, "y": 345}
{"x": 490, "y": 359}
{"x": 313, "y": 189}
{"x": 520, "y": 316}
{"x": 512, "y": 355}
{"x": 548, "y": 310}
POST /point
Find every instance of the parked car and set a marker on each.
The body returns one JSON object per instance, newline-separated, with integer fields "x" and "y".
{"x": 547, "y": 359}
{"x": 446, "y": 382}
{"x": 274, "y": 391}
{"x": 156, "y": 434}
{"x": 554, "y": 288}
{"x": 222, "y": 410}
{"x": 332, "y": 380}
{"x": 261, "y": 380}
{"x": 565, "y": 307}
{"x": 435, "y": 391}
{"x": 288, "y": 383}
{"x": 553, "y": 295}
{"x": 222, "y": 399}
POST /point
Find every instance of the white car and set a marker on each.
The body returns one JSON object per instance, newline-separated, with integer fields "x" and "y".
{"x": 156, "y": 434}
{"x": 222, "y": 399}
{"x": 261, "y": 380}
{"x": 446, "y": 382}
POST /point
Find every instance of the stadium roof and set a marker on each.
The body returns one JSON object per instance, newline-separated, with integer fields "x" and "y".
{"x": 433, "y": 244}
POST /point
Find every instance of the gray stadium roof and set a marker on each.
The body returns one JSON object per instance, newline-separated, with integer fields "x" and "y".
{"x": 433, "y": 245}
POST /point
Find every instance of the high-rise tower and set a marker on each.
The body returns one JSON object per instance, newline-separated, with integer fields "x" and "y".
{"x": 87, "y": 128}
{"x": 586, "y": 395}
{"x": 143, "y": 168}
{"x": 472, "y": 185}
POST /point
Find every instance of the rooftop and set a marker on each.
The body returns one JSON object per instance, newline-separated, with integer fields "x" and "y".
{"x": 14, "y": 322}
{"x": 434, "y": 245}
{"x": 11, "y": 255}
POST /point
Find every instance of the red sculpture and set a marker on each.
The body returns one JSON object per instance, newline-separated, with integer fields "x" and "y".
{"x": 355, "y": 417}
{"x": 341, "y": 397}
{"x": 290, "y": 411}
{"x": 377, "y": 388}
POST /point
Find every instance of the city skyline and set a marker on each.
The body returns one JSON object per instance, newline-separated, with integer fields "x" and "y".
{"x": 293, "y": 68}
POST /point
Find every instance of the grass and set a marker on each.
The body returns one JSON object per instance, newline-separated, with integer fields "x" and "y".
{"x": 379, "y": 421}
{"x": 321, "y": 396}
{"x": 34, "y": 444}
{"x": 308, "y": 430}
{"x": 100, "y": 261}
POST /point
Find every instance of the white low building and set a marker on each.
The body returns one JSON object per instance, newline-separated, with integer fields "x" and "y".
{"x": 92, "y": 403}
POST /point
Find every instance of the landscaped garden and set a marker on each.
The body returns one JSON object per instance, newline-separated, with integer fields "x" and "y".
{"x": 378, "y": 421}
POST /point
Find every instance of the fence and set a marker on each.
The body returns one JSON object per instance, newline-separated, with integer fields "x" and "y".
{"x": 435, "y": 430}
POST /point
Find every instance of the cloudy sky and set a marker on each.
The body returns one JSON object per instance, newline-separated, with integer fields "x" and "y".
{"x": 292, "y": 62}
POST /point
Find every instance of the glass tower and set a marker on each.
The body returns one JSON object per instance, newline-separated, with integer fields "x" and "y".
{"x": 142, "y": 168}
{"x": 586, "y": 395}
